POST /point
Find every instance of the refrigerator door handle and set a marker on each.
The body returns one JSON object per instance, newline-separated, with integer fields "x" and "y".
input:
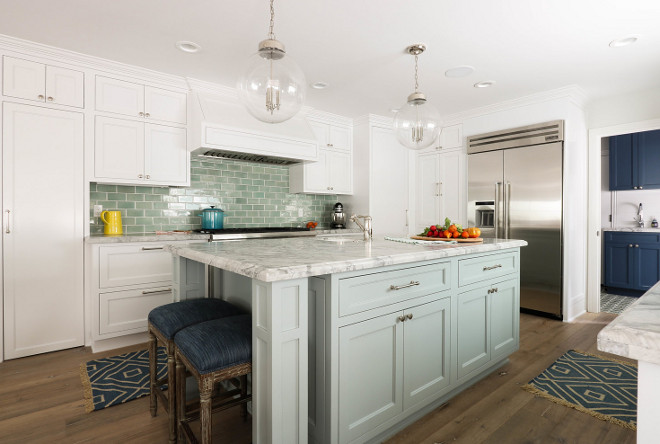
{"x": 507, "y": 209}
{"x": 496, "y": 216}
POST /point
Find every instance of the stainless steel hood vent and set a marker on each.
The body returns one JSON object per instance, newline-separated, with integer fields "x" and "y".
{"x": 219, "y": 154}
{"x": 517, "y": 137}
{"x": 221, "y": 128}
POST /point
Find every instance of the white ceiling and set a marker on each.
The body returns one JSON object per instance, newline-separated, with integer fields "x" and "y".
{"x": 357, "y": 46}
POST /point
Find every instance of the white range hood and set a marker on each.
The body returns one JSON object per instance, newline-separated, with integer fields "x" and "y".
{"x": 222, "y": 128}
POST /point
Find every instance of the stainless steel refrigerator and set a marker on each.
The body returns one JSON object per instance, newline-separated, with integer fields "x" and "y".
{"x": 515, "y": 192}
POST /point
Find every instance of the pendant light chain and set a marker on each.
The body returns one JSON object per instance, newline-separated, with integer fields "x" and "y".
{"x": 271, "y": 35}
{"x": 416, "y": 78}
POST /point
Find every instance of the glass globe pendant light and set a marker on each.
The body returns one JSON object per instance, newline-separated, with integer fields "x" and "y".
{"x": 272, "y": 87}
{"x": 417, "y": 123}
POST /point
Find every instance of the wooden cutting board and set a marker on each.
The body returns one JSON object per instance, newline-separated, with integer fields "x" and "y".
{"x": 457, "y": 239}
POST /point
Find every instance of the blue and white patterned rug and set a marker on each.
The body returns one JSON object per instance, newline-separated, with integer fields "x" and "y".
{"x": 118, "y": 379}
{"x": 592, "y": 384}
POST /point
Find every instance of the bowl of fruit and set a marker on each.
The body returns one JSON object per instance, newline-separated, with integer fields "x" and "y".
{"x": 450, "y": 232}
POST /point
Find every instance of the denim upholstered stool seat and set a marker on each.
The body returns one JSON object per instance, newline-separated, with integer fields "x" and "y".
{"x": 212, "y": 351}
{"x": 164, "y": 322}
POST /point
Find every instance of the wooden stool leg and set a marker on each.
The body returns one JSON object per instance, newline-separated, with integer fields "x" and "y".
{"x": 244, "y": 391}
{"x": 180, "y": 396}
{"x": 153, "y": 349}
{"x": 205, "y": 392}
{"x": 171, "y": 391}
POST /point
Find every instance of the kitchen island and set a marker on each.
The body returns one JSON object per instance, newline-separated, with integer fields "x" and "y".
{"x": 355, "y": 339}
{"x": 635, "y": 334}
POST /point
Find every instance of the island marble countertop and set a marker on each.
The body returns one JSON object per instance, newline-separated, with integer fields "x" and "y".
{"x": 633, "y": 229}
{"x": 635, "y": 333}
{"x": 272, "y": 260}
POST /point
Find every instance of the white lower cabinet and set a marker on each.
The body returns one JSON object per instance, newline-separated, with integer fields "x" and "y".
{"x": 42, "y": 234}
{"x": 390, "y": 363}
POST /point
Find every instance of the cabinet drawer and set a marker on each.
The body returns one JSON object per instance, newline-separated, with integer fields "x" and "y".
{"x": 133, "y": 265}
{"x": 486, "y": 267}
{"x": 631, "y": 238}
{"x": 127, "y": 311}
{"x": 361, "y": 293}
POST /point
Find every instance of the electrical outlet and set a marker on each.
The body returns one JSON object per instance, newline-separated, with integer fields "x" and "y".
{"x": 300, "y": 212}
{"x": 98, "y": 209}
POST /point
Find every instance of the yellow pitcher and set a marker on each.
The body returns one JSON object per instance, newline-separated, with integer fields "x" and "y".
{"x": 112, "y": 221}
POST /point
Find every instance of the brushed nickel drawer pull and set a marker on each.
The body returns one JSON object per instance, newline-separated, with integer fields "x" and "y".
{"x": 151, "y": 248}
{"x": 399, "y": 287}
{"x": 167, "y": 290}
{"x": 7, "y": 230}
{"x": 402, "y": 319}
{"x": 409, "y": 316}
{"x": 495, "y": 290}
{"x": 493, "y": 267}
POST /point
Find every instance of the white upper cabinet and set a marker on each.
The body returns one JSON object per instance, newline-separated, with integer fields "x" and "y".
{"x": 132, "y": 152}
{"x": 35, "y": 81}
{"x": 451, "y": 137}
{"x": 333, "y": 172}
{"x": 140, "y": 101}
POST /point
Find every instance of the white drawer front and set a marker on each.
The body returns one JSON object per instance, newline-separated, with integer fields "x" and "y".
{"x": 485, "y": 268}
{"x": 127, "y": 311}
{"x": 133, "y": 265}
{"x": 374, "y": 290}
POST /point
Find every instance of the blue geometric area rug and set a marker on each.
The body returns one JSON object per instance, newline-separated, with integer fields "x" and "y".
{"x": 118, "y": 379}
{"x": 592, "y": 384}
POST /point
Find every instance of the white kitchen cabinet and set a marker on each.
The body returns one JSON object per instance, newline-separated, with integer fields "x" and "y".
{"x": 440, "y": 187}
{"x": 333, "y": 172}
{"x": 42, "y": 234}
{"x": 140, "y": 101}
{"x": 132, "y": 152}
{"x": 29, "y": 80}
{"x": 451, "y": 137}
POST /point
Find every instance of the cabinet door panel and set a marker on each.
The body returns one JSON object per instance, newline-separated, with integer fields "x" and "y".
{"x": 451, "y": 166}
{"x": 23, "y": 79}
{"x": 64, "y": 86}
{"x": 316, "y": 174}
{"x": 117, "y": 96}
{"x": 648, "y": 159}
{"x": 618, "y": 265}
{"x": 426, "y": 351}
{"x": 127, "y": 311}
{"x": 162, "y": 104}
{"x": 428, "y": 191}
{"x": 340, "y": 172}
{"x": 473, "y": 331}
{"x": 133, "y": 265}
{"x": 165, "y": 154}
{"x": 648, "y": 265}
{"x": 321, "y": 132}
{"x": 340, "y": 137}
{"x": 118, "y": 149}
{"x": 505, "y": 318}
{"x": 42, "y": 150}
{"x": 371, "y": 374}
{"x": 622, "y": 168}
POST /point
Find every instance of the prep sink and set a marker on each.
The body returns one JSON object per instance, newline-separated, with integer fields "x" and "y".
{"x": 342, "y": 238}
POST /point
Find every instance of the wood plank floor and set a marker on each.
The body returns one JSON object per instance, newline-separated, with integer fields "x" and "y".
{"x": 41, "y": 400}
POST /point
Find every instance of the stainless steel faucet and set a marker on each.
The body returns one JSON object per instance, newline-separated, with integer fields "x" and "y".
{"x": 366, "y": 228}
{"x": 640, "y": 216}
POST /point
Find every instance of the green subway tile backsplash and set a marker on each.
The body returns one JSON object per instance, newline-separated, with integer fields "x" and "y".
{"x": 251, "y": 195}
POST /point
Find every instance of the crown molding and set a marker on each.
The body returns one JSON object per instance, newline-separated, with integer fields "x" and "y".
{"x": 573, "y": 93}
{"x": 59, "y": 55}
{"x": 374, "y": 119}
{"x": 203, "y": 86}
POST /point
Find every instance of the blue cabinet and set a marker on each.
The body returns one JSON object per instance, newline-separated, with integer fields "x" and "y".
{"x": 632, "y": 260}
{"x": 635, "y": 161}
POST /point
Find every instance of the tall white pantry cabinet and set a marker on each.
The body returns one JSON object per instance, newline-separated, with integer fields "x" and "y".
{"x": 43, "y": 216}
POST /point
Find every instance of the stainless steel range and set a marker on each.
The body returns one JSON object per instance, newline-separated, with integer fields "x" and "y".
{"x": 255, "y": 233}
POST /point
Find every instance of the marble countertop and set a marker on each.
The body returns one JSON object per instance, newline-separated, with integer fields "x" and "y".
{"x": 633, "y": 229}
{"x": 281, "y": 259}
{"x": 635, "y": 333}
{"x": 153, "y": 237}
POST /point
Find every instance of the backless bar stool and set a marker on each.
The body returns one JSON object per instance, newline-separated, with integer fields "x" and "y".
{"x": 164, "y": 322}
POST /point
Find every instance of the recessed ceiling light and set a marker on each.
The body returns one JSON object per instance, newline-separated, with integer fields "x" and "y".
{"x": 187, "y": 46}
{"x": 459, "y": 71}
{"x": 484, "y": 84}
{"x": 320, "y": 85}
{"x": 624, "y": 41}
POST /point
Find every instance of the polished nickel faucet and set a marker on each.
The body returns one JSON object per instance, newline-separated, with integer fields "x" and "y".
{"x": 640, "y": 216}
{"x": 366, "y": 228}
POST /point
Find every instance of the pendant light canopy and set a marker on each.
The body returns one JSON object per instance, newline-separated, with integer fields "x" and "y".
{"x": 417, "y": 123}
{"x": 272, "y": 87}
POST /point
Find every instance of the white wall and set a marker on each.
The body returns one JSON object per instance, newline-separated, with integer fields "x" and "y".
{"x": 560, "y": 107}
{"x": 635, "y": 107}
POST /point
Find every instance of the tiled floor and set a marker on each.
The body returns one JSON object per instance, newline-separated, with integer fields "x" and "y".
{"x": 612, "y": 303}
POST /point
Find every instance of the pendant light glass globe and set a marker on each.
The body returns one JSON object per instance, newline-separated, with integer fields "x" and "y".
{"x": 273, "y": 86}
{"x": 416, "y": 124}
